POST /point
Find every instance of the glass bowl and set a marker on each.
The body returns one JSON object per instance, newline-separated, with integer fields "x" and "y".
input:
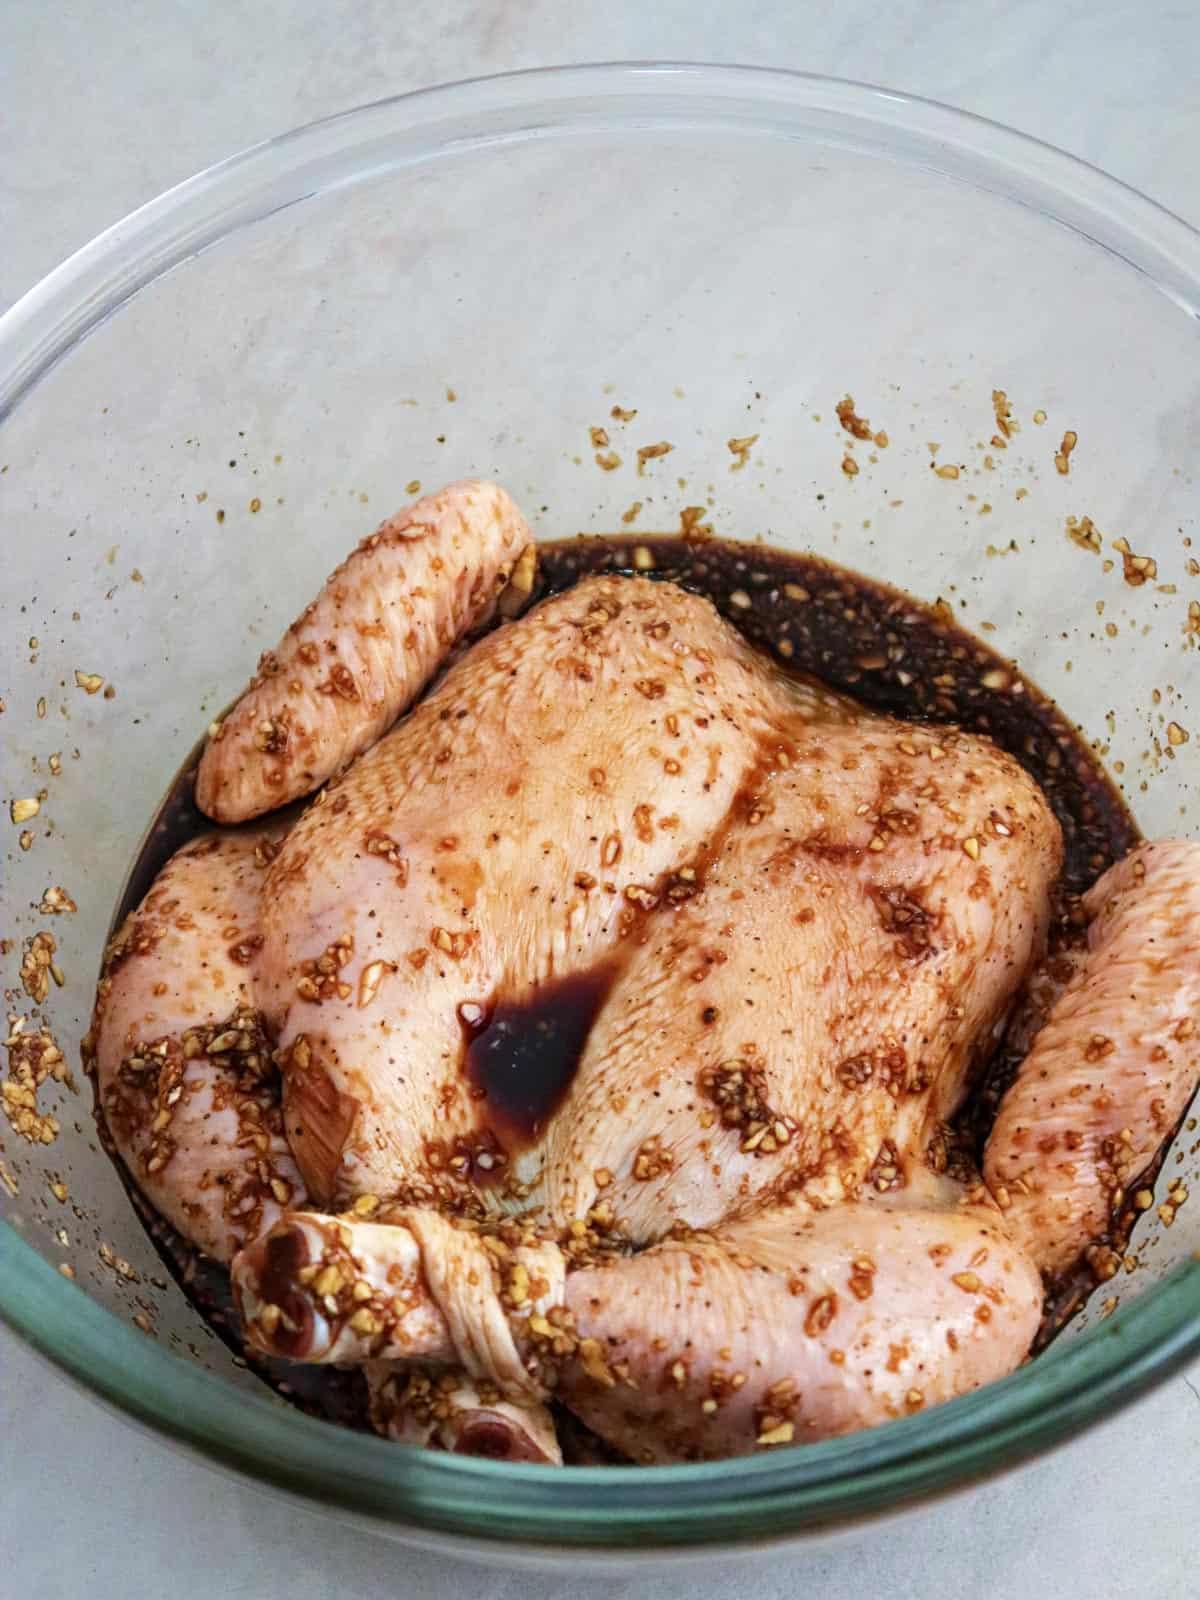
{"x": 203, "y": 409}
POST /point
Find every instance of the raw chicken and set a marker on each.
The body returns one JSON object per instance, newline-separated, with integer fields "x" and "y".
{"x": 448, "y": 1412}
{"x": 621, "y": 995}
{"x": 788, "y": 1323}
{"x": 792, "y": 1325}
{"x": 508, "y": 834}
{"x": 1110, "y": 1074}
{"x": 365, "y": 648}
{"x": 183, "y": 1068}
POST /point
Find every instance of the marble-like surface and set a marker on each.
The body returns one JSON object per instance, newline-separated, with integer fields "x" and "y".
{"x": 100, "y": 109}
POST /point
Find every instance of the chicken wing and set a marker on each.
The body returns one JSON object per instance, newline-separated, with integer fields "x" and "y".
{"x": 365, "y": 648}
{"x": 1110, "y": 1073}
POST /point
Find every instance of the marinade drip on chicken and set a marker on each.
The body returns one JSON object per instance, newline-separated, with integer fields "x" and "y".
{"x": 594, "y": 1033}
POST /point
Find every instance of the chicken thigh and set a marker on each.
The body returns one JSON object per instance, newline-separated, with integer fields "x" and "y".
{"x": 620, "y": 997}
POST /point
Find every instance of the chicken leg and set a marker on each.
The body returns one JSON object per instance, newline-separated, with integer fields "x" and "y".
{"x": 792, "y": 1325}
{"x": 317, "y": 1288}
{"x": 789, "y": 1323}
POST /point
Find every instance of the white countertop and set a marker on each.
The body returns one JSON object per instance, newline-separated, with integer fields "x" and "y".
{"x": 100, "y": 109}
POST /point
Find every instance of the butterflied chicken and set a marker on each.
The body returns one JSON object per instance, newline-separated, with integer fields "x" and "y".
{"x": 595, "y": 1034}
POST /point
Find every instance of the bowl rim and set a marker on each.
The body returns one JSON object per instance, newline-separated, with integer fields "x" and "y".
{"x": 768, "y": 1496}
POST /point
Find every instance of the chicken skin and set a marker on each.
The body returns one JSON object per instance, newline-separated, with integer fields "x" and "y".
{"x": 366, "y": 647}
{"x": 602, "y": 1021}
{"x": 789, "y": 1322}
{"x": 1110, "y": 1074}
{"x": 184, "y": 1072}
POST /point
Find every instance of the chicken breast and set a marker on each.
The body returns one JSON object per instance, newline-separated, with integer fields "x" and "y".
{"x": 810, "y": 1013}
{"x": 509, "y": 834}
{"x": 700, "y": 805}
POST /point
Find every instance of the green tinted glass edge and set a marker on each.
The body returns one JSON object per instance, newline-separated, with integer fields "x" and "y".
{"x": 759, "y": 1497}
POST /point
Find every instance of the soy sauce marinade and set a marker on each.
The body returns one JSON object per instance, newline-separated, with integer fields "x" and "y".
{"x": 894, "y": 655}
